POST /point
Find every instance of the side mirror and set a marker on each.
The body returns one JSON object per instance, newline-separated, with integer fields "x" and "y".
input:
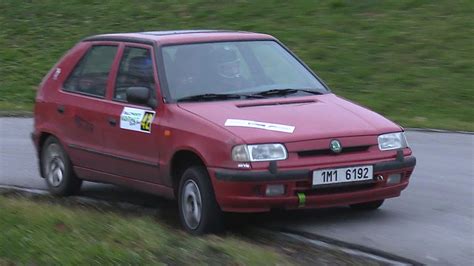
{"x": 140, "y": 95}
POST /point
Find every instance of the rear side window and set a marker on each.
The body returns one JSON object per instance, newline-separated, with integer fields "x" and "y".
{"x": 136, "y": 70}
{"x": 90, "y": 75}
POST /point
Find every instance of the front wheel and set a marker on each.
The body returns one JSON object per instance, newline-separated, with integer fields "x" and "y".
{"x": 198, "y": 209}
{"x": 367, "y": 206}
{"x": 57, "y": 169}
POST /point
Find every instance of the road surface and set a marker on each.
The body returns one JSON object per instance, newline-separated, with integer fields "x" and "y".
{"x": 432, "y": 222}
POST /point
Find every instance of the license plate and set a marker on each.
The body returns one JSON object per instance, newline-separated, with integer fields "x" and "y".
{"x": 342, "y": 175}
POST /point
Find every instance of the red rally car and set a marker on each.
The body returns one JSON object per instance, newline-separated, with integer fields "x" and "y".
{"x": 223, "y": 121}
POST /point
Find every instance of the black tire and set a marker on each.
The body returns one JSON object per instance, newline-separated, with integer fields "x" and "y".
{"x": 57, "y": 169}
{"x": 367, "y": 206}
{"x": 210, "y": 219}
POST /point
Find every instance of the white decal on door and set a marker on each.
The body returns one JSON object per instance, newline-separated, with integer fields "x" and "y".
{"x": 136, "y": 119}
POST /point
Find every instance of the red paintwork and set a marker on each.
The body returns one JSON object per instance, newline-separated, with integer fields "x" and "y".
{"x": 198, "y": 128}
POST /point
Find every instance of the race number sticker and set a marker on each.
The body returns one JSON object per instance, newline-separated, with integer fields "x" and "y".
{"x": 136, "y": 119}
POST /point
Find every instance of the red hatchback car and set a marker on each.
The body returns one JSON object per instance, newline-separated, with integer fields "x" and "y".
{"x": 223, "y": 121}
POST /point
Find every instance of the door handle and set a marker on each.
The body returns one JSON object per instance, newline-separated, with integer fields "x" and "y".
{"x": 60, "y": 109}
{"x": 112, "y": 122}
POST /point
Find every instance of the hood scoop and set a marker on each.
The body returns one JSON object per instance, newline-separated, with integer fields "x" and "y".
{"x": 270, "y": 103}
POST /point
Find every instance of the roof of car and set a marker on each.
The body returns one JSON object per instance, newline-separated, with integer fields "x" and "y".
{"x": 180, "y": 36}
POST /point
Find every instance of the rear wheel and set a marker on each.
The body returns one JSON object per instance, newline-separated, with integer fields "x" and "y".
{"x": 198, "y": 209}
{"x": 367, "y": 206}
{"x": 57, "y": 169}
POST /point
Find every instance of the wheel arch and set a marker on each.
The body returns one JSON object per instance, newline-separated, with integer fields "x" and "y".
{"x": 180, "y": 161}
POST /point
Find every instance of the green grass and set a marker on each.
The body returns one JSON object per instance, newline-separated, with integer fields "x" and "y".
{"x": 409, "y": 60}
{"x": 41, "y": 233}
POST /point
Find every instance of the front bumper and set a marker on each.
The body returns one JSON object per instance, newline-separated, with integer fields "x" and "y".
{"x": 244, "y": 191}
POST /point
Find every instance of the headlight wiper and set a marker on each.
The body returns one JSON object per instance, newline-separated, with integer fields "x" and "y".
{"x": 285, "y": 92}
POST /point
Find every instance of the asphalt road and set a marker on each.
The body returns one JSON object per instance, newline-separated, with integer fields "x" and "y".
{"x": 432, "y": 222}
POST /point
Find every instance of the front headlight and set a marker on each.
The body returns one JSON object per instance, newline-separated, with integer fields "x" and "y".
{"x": 259, "y": 153}
{"x": 392, "y": 141}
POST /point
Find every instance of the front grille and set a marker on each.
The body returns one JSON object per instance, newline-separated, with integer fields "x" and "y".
{"x": 345, "y": 150}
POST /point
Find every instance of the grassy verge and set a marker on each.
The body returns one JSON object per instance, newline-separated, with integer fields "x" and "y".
{"x": 48, "y": 234}
{"x": 411, "y": 60}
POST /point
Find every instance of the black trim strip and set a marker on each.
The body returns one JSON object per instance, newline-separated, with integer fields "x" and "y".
{"x": 179, "y": 32}
{"x": 118, "y": 39}
{"x": 406, "y": 162}
{"x": 231, "y": 175}
{"x": 236, "y": 175}
{"x": 77, "y": 147}
{"x": 342, "y": 184}
{"x": 311, "y": 153}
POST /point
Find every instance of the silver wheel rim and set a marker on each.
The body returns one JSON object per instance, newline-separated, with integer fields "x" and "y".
{"x": 191, "y": 204}
{"x": 54, "y": 165}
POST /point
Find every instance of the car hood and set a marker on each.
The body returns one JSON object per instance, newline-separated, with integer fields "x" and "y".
{"x": 303, "y": 118}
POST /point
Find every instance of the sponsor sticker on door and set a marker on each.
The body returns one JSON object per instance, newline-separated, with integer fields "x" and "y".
{"x": 136, "y": 119}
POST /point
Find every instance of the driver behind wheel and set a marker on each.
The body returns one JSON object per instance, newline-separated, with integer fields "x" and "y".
{"x": 226, "y": 66}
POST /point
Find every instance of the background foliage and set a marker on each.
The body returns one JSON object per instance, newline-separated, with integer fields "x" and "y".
{"x": 410, "y": 60}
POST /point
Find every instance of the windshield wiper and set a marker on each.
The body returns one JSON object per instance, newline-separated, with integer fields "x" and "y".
{"x": 285, "y": 92}
{"x": 209, "y": 97}
{"x": 218, "y": 96}
{"x": 229, "y": 96}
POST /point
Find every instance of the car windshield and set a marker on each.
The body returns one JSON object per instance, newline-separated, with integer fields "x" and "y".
{"x": 246, "y": 68}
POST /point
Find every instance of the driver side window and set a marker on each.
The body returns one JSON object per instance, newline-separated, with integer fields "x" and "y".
{"x": 136, "y": 70}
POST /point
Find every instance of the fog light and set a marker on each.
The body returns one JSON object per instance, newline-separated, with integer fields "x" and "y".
{"x": 275, "y": 190}
{"x": 394, "y": 179}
